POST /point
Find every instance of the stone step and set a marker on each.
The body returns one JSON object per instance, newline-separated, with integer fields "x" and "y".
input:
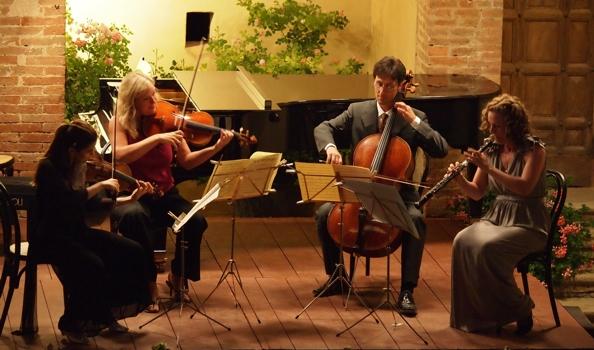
{"x": 581, "y": 318}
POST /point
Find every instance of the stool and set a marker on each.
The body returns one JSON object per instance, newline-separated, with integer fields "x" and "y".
{"x": 6, "y": 165}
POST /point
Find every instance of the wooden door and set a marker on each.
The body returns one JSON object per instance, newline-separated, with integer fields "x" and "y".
{"x": 548, "y": 61}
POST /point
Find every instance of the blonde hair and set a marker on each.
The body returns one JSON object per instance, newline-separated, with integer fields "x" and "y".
{"x": 133, "y": 84}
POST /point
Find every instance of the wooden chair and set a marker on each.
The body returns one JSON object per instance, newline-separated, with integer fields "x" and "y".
{"x": 6, "y": 165}
{"x": 14, "y": 249}
{"x": 545, "y": 256}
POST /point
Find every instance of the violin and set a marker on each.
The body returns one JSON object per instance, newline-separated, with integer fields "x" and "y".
{"x": 98, "y": 209}
{"x": 198, "y": 127}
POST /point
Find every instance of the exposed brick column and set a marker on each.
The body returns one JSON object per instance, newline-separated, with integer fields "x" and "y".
{"x": 32, "y": 73}
{"x": 460, "y": 37}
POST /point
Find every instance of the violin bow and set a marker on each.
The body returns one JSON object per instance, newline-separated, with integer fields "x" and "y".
{"x": 183, "y": 112}
{"x": 115, "y": 135}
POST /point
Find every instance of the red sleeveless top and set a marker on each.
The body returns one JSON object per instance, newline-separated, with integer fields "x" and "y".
{"x": 154, "y": 166}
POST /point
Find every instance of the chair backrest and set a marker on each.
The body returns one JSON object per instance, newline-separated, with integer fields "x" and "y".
{"x": 558, "y": 184}
{"x": 11, "y": 229}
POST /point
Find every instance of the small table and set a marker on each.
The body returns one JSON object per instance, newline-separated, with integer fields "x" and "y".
{"x": 6, "y": 164}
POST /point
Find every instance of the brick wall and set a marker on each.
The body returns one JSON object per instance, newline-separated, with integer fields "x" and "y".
{"x": 459, "y": 36}
{"x": 31, "y": 78}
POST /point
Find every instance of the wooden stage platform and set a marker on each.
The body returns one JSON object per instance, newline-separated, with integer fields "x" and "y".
{"x": 279, "y": 260}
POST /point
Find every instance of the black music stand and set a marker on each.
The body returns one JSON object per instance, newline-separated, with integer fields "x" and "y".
{"x": 318, "y": 182}
{"x": 384, "y": 204}
{"x": 182, "y": 296}
{"x": 242, "y": 179}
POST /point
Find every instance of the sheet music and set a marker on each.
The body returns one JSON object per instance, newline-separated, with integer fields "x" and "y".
{"x": 350, "y": 172}
{"x": 245, "y": 178}
{"x": 199, "y": 204}
{"x": 264, "y": 166}
{"x": 317, "y": 182}
{"x": 224, "y": 173}
{"x": 384, "y": 203}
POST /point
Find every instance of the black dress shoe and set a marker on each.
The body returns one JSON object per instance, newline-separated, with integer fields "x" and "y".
{"x": 524, "y": 325}
{"x": 334, "y": 289}
{"x": 406, "y": 304}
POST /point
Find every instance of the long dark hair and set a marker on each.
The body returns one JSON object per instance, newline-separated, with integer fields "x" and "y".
{"x": 78, "y": 135}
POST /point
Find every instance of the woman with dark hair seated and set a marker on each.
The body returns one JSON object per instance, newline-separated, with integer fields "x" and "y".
{"x": 104, "y": 275}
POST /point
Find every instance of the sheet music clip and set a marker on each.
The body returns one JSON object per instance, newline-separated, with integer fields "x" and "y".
{"x": 176, "y": 219}
{"x": 183, "y": 218}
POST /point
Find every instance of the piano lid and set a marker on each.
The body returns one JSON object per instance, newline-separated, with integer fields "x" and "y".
{"x": 291, "y": 89}
{"x": 241, "y": 91}
{"x": 223, "y": 91}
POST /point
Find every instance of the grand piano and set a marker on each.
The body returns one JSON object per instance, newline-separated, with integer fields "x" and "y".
{"x": 283, "y": 110}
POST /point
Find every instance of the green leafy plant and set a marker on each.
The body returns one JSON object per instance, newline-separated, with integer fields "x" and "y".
{"x": 93, "y": 50}
{"x": 160, "y": 346}
{"x": 161, "y": 72}
{"x": 298, "y": 31}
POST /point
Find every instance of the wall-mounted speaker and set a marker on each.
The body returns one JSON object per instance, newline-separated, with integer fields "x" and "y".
{"x": 197, "y": 27}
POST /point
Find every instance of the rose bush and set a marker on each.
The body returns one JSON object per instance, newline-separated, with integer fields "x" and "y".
{"x": 93, "y": 50}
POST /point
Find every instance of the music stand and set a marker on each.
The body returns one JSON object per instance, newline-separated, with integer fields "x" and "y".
{"x": 384, "y": 204}
{"x": 182, "y": 291}
{"x": 242, "y": 179}
{"x": 320, "y": 182}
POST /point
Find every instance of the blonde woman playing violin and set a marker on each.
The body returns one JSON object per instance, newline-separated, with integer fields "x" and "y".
{"x": 150, "y": 159}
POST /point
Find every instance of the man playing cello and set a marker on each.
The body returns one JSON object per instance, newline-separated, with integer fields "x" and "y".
{"x": 360, "y": 120}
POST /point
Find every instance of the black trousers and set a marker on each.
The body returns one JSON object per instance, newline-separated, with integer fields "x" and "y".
{"x": 104, "y": 276}
{"x": 136, "y": 221}
{"x": 411, "y": 250}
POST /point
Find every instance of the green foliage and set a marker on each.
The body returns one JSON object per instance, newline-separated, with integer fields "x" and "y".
{"x": 93, "y": 50}
{"x": 298, "y": 30}
{"x": 351, "y": 67}
{"x": 161, "y": 72}
{"x": 160, "y": 346}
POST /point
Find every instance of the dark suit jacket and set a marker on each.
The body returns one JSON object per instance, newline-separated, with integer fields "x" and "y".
{"x": 361, "y": 119}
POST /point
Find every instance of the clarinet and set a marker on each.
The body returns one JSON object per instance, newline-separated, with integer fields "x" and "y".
{"x": 488, "y": 142}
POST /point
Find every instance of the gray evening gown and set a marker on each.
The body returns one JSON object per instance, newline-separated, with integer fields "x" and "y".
{"x": 484, "y": 255}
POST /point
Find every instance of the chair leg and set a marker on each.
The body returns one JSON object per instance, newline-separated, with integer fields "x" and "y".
{"x": 6, "y": 305}
{"x": 367, "y": 265}
{"x": 4, "y": 276}
{"x": 352, "y": 263}
{"x": 525, "y": 283}
{"x": 549, "y": 282}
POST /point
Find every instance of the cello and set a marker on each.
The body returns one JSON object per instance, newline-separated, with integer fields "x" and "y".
{"x": 384, "y": 155}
